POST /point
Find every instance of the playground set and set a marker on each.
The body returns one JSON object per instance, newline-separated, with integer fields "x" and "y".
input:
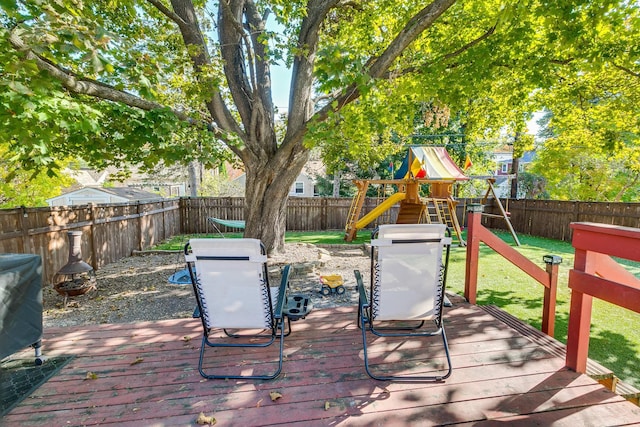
{"x": 422, "y": 165}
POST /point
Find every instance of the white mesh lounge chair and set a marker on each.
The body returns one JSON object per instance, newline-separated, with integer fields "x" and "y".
{"x": 231, "y": 286}
{"x": 408, "y": 275}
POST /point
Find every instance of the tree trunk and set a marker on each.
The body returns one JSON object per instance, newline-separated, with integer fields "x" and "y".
{"x": 515, "y": 165}
{"x": 193, "y": 178}
{"x": 336, "y": 184}
{"x": 266, "y": 195}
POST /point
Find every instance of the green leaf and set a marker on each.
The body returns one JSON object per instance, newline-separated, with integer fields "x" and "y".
{"x": 20, "y": 88}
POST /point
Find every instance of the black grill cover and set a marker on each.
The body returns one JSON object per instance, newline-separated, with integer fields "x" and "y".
{"x": 20, "y": 302}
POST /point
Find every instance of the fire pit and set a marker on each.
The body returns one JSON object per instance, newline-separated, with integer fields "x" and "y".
{"x": 76, "y": 277}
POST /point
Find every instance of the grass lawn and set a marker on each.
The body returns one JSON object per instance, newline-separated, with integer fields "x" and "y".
{"x": 316, "y": 238}
{"x": 615, "y": 338}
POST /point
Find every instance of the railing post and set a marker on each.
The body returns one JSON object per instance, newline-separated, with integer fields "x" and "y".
{"x": 549, "y": 309}
{"x": 596, "y": 274}
{"x": 579, "y": 321}
{"x": 473, "y": 251}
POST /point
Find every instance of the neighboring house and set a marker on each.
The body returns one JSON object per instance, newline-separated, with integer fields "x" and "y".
{"x": 502, "y": 173}
{"x": 304, "y": 186}
{"x": 165, "y": 186}
{"x": 162, "y": 189}
{"x": 100, "y": 195}
{"x": 504, "y": 162}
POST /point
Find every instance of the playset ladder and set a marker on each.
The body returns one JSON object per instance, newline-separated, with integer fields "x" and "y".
{"x": 447, "y": 212}
{"x": 350, "y": 229}
{"x": 432, "y": 213}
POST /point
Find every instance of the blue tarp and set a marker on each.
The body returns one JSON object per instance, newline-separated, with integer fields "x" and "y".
{"x": 180, "y": 277}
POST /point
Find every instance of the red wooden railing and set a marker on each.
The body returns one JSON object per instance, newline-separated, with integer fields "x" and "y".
{"x": 477, "y": 233}
{"x": 596, "y": 274}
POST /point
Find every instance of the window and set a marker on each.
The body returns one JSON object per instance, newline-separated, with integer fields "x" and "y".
{"x": 298, "y": 187}
{"x": 505, "y": 167}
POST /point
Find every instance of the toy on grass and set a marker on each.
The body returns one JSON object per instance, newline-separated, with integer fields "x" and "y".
{"x": 332, "y": 284}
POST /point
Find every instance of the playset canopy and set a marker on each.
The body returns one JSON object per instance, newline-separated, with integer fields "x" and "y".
{"x": 431, "y": 164}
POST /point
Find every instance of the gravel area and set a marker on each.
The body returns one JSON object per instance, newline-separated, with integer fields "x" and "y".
{"x": 136, "y": 288}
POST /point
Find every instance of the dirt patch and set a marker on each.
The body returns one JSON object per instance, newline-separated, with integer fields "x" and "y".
{"x": 137, "y": 288}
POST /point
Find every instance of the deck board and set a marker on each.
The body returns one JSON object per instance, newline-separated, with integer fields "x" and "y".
{"x": 147, "y": 375}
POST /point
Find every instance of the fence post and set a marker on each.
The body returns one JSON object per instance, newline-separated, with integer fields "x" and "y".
{"x": 323, "y": 213}
{"x": 140, "y": 227}
{"x": 24, "y": 226}
{"x": 549, "y": 308}
{"x": 474, "y": 218}
{"x": 95, "y": 262}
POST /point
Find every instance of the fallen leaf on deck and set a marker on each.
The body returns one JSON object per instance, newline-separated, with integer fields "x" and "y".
{"x": 259, "y": 403}
{"x": 138, "y": 360}
{"x": 274, "y": 395}
{"x": 203, "y": 419}
{"x": 327, "y": 405}
{"x": 186, "y": 338}
{"x": 91, "y": 376}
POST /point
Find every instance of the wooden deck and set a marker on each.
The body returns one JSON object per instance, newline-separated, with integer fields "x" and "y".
{"x": 146, "y": 375}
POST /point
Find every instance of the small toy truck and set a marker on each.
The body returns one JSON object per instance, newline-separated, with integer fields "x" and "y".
{"x": 332, "y": 284}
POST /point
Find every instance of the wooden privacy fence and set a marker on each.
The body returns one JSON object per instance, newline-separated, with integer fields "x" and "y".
{"x": 111, "y": 232}
{"x": 303, "y": 213}
{"x": 543, "y": 218}
{"x": 552, "y": 218}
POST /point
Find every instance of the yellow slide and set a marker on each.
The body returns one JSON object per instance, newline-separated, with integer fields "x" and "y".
{"x": 378, "y": 210}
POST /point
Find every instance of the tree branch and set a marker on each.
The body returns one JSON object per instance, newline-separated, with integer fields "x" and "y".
{"x": 230, "y": 36}
{"x": 192, "y": 36}
{"x": 408, "y": 70}
{"x": 169, "y": 13}
{"x": 302, "y": 71}
{"x": 262, "y": 111}
{"x": 416, "y": 25}
{"x": 376, "y": 68}
{"x": 84, "y": 86}
{"x": 626, "y": 70}
{"x": 379, "y": 66}
{"x": 471, "y": 44}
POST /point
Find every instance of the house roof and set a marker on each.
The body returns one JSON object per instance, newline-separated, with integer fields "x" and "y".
{"x": 122, "y": 194}
{"x": 528, "y": 157}
{"x": 129, "y": 193}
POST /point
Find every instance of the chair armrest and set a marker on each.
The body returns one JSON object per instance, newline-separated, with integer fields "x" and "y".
{"x": 364, "y": 301}
{"x": 284, "y": 285}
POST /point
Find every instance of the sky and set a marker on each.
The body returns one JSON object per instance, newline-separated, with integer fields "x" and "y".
{"x": 280, "y": 83}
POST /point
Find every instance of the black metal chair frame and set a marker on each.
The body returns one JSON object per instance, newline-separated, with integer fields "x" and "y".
{"x": 366, "y": 320}
{"x": 277, "y": 330}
